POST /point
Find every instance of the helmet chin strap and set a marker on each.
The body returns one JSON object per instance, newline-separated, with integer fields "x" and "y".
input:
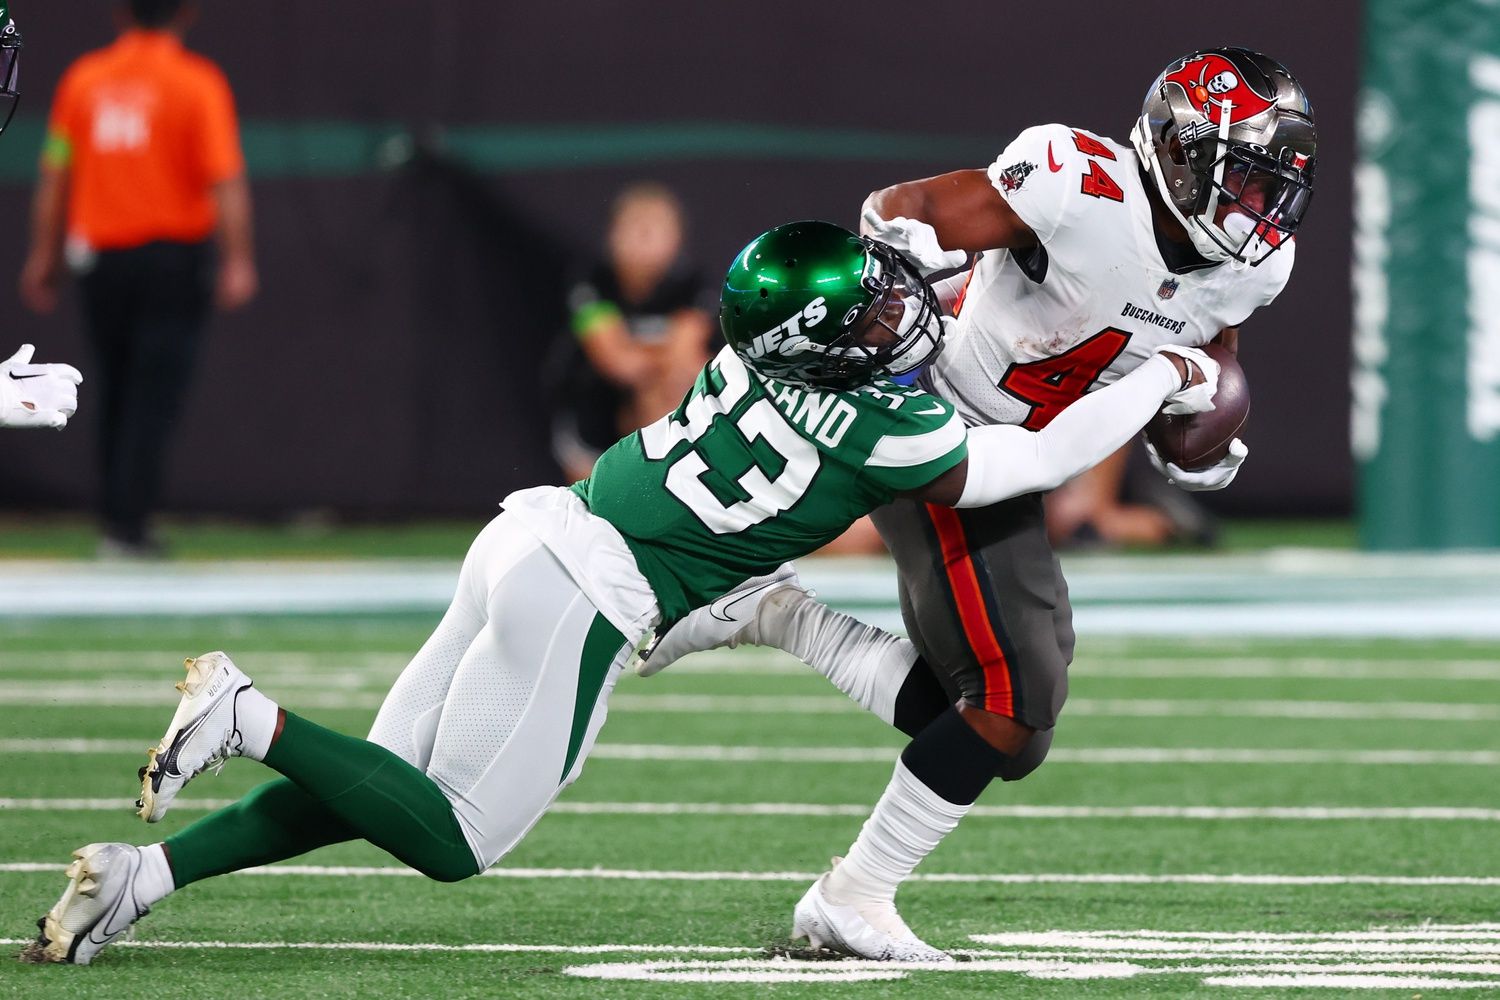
{"x": 1145, "y": 149}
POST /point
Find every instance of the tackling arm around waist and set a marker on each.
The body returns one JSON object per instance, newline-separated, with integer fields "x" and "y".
{"x": 1006, "y": 461}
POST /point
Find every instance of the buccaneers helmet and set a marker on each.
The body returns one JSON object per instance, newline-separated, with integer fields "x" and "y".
{"x": 813, "y": 304}
{"x": 10, "y": 66}
{"x": 1229, "y": 128}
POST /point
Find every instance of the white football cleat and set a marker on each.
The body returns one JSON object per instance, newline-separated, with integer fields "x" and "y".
{"x": 203, "y": 734}
{"x": 728, "y": 621}
{"x": 99, "y": 904}
{"x": 860, "y": 931}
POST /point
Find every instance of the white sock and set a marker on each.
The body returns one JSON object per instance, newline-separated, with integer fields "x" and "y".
{"x": 909, "y": 821}
{"x": 866, "y": 663}
{"x": 154, "y": 880}
{"x": 255, "y": 719}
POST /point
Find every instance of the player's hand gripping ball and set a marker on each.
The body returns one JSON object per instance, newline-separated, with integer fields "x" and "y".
{"x": 1196, "y": 441}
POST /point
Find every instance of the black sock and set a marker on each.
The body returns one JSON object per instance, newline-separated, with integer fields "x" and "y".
{"x": 920, "y": 700}
{"x": 953, "y": 760}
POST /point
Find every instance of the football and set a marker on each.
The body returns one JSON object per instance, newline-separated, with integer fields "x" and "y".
{"x": 1196, "y": 441}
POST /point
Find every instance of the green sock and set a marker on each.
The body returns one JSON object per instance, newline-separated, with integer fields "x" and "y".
{"x": 274, "y": 822}
{"x": 378, "y": 795}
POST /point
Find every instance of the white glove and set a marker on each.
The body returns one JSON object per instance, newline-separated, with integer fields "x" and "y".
{"x": 916, "y": 239}
{"x": 36, "y": 395}
{"x": 1195, "y": 398}
{"x": 1215, "y": 477}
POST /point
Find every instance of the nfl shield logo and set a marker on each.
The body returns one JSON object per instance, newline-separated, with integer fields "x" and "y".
{"x": 1168, "y": 289}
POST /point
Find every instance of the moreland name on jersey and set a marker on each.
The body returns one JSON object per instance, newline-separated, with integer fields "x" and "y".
{"x": 1038, "y": 328}
{"x": 750, "y": 472}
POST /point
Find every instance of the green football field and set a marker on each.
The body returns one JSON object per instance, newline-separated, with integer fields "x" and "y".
{"x": 1288, "y": 817}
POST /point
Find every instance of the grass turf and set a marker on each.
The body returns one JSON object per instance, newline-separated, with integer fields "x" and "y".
{"x": 355, "y": 657}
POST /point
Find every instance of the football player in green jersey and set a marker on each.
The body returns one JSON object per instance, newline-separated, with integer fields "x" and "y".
{"x": 789, "y": 434}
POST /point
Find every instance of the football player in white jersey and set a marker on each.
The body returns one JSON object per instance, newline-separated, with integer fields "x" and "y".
{"x": 1091, "y": 254}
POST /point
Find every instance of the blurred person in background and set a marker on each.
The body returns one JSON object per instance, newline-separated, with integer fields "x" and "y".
{"x": 30, "y": 395}
{"x": 141, "y": 170}
{"x": 640, "y": 332}
{"x": 1117, "y": 505}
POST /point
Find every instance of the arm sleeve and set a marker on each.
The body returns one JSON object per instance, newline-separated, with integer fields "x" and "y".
{"x": 223, "y": 158}
{"x": 1025, "y": 178}
{"x": 1007, "y": 461}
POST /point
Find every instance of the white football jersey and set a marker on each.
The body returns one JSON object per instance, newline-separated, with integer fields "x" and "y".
{"x": 1038, "y": 328}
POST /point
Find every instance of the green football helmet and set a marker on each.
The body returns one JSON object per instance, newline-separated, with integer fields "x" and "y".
{"x": 10, "y": 66}
{"x": 813, "y": 304}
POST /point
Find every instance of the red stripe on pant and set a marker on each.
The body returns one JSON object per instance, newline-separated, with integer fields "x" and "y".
{"x": 972, "y": 613}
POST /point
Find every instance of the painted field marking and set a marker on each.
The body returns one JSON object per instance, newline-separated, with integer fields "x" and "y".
{"x": 1125, "y": 663}
{"x": 711, "y": 754}
{"x": 1372, "y": 960}
{"x": 43, "y": 693}
{"x": 290, "y": 667}
{"x": 1426, "y": 957}
{"x": 962, "y": 878}
{"x": 812, "y": 809}
{"x": 480, "y": 948}
{"x": 1319, "y": 668}
{"x": 1111, "y": 707}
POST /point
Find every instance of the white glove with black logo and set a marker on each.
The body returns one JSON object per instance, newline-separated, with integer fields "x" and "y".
{"x": 36, "y": 395}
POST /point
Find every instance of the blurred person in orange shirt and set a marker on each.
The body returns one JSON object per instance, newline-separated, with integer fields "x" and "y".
{"x": 640, "y": 331}
{"x": 141, "y": 171}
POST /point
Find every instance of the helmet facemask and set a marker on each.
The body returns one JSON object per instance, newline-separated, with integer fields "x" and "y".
{"x": 899, "y": 332}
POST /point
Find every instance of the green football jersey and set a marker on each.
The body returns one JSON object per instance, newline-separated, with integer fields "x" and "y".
{"x": 750, "y": 472}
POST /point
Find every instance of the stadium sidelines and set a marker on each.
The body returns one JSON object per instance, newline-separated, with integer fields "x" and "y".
{"x": 1279, "y": 593}
{"x": 886, "y": 755}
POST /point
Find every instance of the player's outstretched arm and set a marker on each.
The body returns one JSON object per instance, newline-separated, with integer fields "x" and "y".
{"x": 36, "y": 395}
{"x": 1006, "y": 461}
{"x": 939, "y": 221}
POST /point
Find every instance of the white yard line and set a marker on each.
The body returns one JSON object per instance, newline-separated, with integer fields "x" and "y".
{"x": 807, "y": 809}
{"x": 1435, "y": 958}
{"x": 561, "y": 949}
{"x": 379, "y": 668}
{"x": 995, "y": 878}
{"x": 885, "y": 755}
{"x": 139, "y": 692}
{"x": 1115, "y": 663}
{"x": 1111, "y": 707}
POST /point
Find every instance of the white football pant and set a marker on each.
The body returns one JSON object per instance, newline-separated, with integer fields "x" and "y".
{"x": 504, "y": 701}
